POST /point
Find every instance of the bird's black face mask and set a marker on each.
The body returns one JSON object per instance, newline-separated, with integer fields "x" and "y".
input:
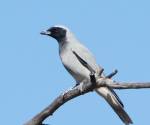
{"x": 55, "y": 32}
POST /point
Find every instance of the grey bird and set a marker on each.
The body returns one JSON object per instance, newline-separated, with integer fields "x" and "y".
{"x": 68, "y": 44}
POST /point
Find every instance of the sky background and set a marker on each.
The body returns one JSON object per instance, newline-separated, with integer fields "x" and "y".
{"x": 32, "y": 76}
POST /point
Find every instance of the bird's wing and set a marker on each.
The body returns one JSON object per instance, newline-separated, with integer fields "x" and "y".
{"x": 87, "y": 56}
{"x": 73, "y": 65}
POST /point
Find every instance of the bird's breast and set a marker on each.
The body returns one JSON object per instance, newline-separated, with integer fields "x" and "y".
{"x": 73, "y": 66}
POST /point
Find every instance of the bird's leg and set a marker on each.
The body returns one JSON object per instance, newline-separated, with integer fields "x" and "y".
{"x": 93, "y": 79}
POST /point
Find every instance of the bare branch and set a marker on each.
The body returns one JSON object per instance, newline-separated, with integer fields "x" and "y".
{"x": 61, "y": 99}
{"x": 133, "y": 85}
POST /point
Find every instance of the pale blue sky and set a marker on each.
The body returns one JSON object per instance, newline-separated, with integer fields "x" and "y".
{"x": 31, "y": 74}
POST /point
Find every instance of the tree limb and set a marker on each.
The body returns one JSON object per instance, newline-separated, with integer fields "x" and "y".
{"x": 63, "y": 98}
{"x": 130, "y": 85}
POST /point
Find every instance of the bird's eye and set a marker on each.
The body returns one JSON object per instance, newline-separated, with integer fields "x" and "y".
{"x": 55, "y": 30}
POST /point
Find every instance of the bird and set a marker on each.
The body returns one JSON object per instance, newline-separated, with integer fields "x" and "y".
{"x": 68, "y": 45}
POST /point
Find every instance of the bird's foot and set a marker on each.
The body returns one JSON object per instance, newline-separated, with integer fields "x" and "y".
{"x": 80, "y": 87}
{"x": 66, "y": 91}
{"x": 77, "y": 84}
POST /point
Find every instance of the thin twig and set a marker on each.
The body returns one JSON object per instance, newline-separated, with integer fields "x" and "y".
{"x": 133, "y": 85}
{"x": 112, "y": 74}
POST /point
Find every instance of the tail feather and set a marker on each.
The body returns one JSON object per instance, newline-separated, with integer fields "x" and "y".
{"x": 111, "y": 97}
{"x": 117, "y": 97}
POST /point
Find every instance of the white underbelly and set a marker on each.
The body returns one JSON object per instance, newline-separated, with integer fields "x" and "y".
{"x": 76, "y": 69}
{"x": 80, "y": 76}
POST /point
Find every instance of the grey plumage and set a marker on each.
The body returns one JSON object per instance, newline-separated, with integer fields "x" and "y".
{"x": 69, "y": 44}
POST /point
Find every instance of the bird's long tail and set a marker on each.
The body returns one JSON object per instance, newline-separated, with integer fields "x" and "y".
{"x": 111, "y": 97}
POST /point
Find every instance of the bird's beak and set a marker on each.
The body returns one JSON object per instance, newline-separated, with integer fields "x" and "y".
{"x": 45, "y": 33}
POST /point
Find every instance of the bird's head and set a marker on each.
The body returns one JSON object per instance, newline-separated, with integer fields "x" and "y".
{"x": 58, "y": 32}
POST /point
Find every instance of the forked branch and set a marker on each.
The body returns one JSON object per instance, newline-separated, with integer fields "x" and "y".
{"x": 63, "y": 98}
